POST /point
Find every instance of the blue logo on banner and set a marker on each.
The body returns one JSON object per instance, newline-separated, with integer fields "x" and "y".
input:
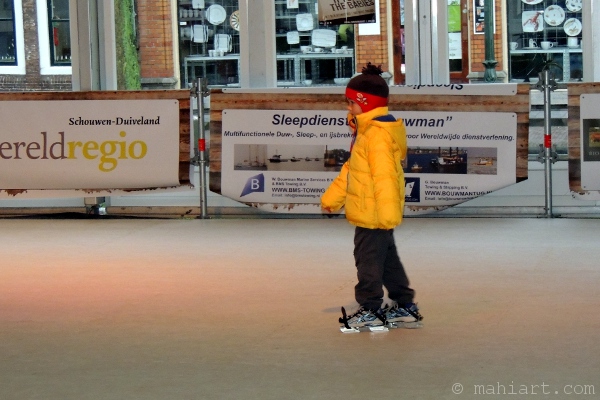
{"x": 412, "y": 190}
{"x": 254, "y": 184}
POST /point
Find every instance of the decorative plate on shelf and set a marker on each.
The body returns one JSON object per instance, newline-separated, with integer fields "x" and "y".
{"x": 573, "y": 5}
{"x": 532, "y": 1}
{"x": 186, "y": 32}
{"x": 293, "y": 37}
{"x": 216, "y": 14}
{"x": 222, "y": 42}
{"x": 323, "y": 38}
{"x": 234, "y": 20}
{"x": 572, "y": 27}
{"x": 533, "y": 21}
{"x": 200, "y": 33}
{"x": 554, "y": 15}
{"x": 304, "y": 22}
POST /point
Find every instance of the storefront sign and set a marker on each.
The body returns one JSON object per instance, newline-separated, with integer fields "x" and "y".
{"x": 89, "y": 144}
{"x": 337, "y": 12}
{"x": 290, "y": 156}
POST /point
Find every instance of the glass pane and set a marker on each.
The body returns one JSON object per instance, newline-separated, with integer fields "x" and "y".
{"x": 454, "y": 35}
{"x": 209, "y": 41}
{"x": 402, "y": 38}
{"x": 7, "y": 43}
{"x": 61, "y": 43}
{"x": 545, "y": 35}
{"x": 309, "y": 54}
{"x": 59, "y": 9}
{"x": 6, "y": 10}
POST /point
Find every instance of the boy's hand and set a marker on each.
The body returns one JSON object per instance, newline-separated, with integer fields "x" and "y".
{"x": 328, "y": 212}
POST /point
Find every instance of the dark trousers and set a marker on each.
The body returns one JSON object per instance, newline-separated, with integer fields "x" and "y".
{"x": 378, "y": 265}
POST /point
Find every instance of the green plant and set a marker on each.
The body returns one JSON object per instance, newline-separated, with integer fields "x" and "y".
{"x": 128, "y": 66}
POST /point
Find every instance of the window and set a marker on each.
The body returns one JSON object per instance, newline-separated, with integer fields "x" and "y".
{"x": 456, "y": 42}
{"x": 8, "y": 55}
{"x": 308, "y": 53}
{"x": 209, "y": 41}
{"x": 12, "y": 55}
{"x": 54, "y": 37}
{"x": 545, "y": 35}
{"x": 60, "y": 38}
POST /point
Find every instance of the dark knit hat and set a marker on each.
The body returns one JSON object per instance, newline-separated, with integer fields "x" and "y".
{"x": 369, "y": 90}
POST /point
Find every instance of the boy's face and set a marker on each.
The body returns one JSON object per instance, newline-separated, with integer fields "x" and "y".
{"x": 353, "y": 107}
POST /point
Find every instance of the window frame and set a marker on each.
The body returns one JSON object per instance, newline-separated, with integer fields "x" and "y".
{"x": 399, "y": 59}
{"x": 46, "y": 67}
{"x": 19, "y": 68}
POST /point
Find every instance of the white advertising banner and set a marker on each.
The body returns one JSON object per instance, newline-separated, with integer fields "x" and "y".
{"x": 450, "y": 89}
{"x": 457, "y": 89}
{"x": 590, "y": 144}
{"x": 89, "y": 144}
{"x": 283, "y": 156}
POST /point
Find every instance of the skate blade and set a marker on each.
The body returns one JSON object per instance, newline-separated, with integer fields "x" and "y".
{"x": 405, "y": 325}
{"x": 379, "y": 328}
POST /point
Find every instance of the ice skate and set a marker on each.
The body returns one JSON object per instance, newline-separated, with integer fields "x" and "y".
{"x": 363, "y": 321}
{"x": 403, "y": 316}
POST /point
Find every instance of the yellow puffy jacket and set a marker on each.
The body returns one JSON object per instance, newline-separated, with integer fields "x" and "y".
{"x": 371, "y": 183}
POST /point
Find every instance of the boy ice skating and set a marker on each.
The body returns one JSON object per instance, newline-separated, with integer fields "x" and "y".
{"x": 370, "y": 186}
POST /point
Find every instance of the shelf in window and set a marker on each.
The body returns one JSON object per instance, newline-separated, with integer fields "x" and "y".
{"x": 557, "y": 49}
{"x": 292, "y": 17}
{"x": 202, "y": 58}
{"x": 307, "y": 34}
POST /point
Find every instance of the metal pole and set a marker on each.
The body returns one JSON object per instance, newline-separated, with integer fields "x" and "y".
{"x": 201, "y": 91}
{"x": 548, "y": 84}
{"x": 490, "y": 58}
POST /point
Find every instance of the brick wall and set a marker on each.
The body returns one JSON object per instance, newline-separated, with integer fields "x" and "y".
{"x": 477, "y": 42}
{"x": 155, "y": 40}
{"x": 32, "y": 80}
{"x": 373, "y": 48}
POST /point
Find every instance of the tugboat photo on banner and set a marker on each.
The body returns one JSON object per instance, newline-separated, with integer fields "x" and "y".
{"x": 276, "y": 158}
{"x": 435, "y": 160}
{"x": 452, "y": 161}
{"x": 335, "y": 157}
